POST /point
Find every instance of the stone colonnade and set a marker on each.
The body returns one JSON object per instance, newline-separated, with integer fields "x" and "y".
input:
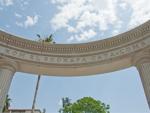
{"x": 141, "y": 60}
{"x": 7, "y": 70}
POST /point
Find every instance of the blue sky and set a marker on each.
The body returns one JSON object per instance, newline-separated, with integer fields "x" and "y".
{"x": 76, "y": 21}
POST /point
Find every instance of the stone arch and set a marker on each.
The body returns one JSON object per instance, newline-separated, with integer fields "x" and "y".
{"x": 102, "y": 56}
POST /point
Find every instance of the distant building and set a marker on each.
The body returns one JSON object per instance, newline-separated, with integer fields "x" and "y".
{"x": 23, "y": 111}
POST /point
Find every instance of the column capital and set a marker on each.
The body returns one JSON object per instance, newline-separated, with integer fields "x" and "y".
{"x": 8, "y": 64}
{"x": 141, "y": 57}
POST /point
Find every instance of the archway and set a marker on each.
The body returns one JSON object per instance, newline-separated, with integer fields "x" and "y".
{"x": 128, "y": 49}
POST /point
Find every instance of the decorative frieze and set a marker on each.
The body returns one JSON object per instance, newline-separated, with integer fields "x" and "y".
{"x": 73, "y": 58}
{"x": 119, "y": 40}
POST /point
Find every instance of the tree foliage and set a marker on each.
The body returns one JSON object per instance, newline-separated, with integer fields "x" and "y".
{"x": 86, "y": 105}
{"x": 7, "y": 103}
{"x": 46, "y": 39}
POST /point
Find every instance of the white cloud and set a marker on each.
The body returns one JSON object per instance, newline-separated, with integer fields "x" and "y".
{"x": 86, "y": 12}
{"x": 89, "y": 14}
{"x": 18, "y": 15}
{"x": 71, "y": 29}
{"x": 6, "y": 2}
{"x": 117, "y": 28}
{"x": 85, "y": 35}
{"x": 29, "y": 22}
{"x": 19, "y": 24}
{"x": 123, "y": 5}
{"x": 115, "y": 32}
{"x": 80, "y": 16}
{"x": 24, "y": 4}
{"x": 141, "y": 11}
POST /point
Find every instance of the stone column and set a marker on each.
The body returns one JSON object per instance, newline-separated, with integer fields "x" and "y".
{"x": 7, "y": 71}
{"x": 142, "y": 62}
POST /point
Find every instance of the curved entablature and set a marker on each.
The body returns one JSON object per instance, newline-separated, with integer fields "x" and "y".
{"x": 115, "y": 41}
{"x": 75, "y": 59}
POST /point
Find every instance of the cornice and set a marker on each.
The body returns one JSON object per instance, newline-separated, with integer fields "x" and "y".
{"x": 113, "y": 42}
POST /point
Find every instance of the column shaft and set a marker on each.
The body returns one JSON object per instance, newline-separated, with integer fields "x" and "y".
{"x": 144, "y": 70}
{"x": 6, "y": 76}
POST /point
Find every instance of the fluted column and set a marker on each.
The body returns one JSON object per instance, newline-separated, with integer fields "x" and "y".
{"x": 142, "y": 62}
{"x": 7, "y": 71}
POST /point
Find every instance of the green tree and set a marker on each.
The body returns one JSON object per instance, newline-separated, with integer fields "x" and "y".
{"x": 48, "y": 39}
{"x": 65, "y": 102}
{"x": 7, "y": 104}
{"x": 86, "y": 105}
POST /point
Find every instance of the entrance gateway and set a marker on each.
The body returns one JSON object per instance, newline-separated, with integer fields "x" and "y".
{"x": 131, "y": 48}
